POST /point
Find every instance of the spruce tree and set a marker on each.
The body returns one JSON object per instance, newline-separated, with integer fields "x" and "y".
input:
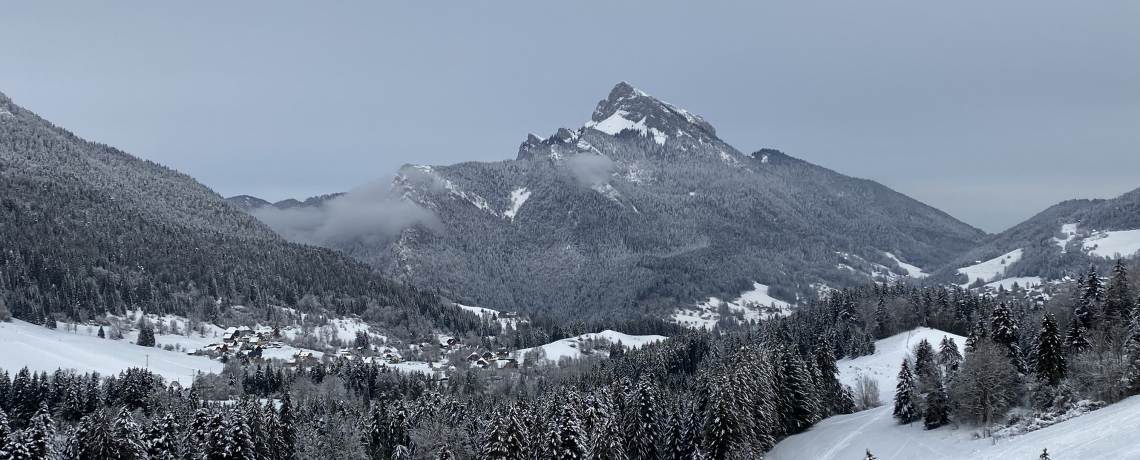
{"x": 127, "y": 443}
{"x": 723, "y": 423}
{"x": 1044, "y": 454}
{"x": 102, "y": 335}
{"x": 641, "y": 422}
{"x": 869, "y": 455}
{"x": 906, "y": 396}
{"x": 1118, "y": 296}
{"x": 5, "y": 431}
{"x": 937, "y": 411}
{"x": 948, "y": 355}
{"x": 568, "y": 437}
{"x": 495, "y": 445}
{"x": 1132, "y": 350}
{"x": 1049, "y": 353}
{"x": 1076, "y": 337}
{"x": 608, "y": 444}
{"x": 164, "y": 438}
{"x": 925, "y": 368}
{"x": 1090, "y": 302}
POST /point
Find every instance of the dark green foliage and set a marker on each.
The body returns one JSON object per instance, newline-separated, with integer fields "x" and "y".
{"x": 1118, "y": 296}
{"x": 1049, "y": 352}
{"x": 937, "y": 412}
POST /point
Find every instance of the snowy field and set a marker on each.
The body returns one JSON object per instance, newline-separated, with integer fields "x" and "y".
{"x": 572, "y": 347}
{"x": 487, "y": 312}
{"x": 756, "y": 305}
{"x": 990, "y": 269}
{"x": 1023, "y": 282}
{"x": 1107, "y": 433}
{"x": 43, "y": 349}
{"x": 1070, "y": 232}
{"x": 911, "y": 270}
{"x": 1124, "y": 243}
{"x": 884, "y": 365}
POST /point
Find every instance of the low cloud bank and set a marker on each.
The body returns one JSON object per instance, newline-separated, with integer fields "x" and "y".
{"x": 367, "y": 213}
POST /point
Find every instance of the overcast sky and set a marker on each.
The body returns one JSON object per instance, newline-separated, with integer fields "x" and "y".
{"x": 990, "y": 111}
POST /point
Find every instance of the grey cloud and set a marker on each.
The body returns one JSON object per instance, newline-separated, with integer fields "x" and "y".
{"x": 369, "y": 212}
{"x": 591, "y": 169}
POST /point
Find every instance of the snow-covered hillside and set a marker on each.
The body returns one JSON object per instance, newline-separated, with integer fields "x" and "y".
{"x": 1102, "y": 434}
{"x": 1107, "y": 433}
{"x": 991, "y": 269}
{"x": 43, "y": 349}
{"x": 884, "y": 365}
{"x": 755, "y": 304}
{"x": 572, "y": 347}
{"x": 1124, "y": 243}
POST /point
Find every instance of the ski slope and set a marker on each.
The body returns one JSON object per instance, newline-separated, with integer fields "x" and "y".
{"x": 911, "y": 270}
{"x": 43, "y": 349}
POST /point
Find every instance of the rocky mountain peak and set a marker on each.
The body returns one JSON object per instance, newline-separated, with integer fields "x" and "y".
{"x": 630, "y": 108}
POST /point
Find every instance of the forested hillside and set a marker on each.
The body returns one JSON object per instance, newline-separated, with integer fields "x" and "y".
{"x": 86, "y": 229}
{"x": 642, "y": 210}
{"x": 1062, "y": 240}
{"x": 729, "y": 394}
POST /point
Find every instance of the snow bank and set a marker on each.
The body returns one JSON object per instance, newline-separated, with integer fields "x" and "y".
{"x": 992, "y": 268}
{"x": 1125, "y": 243}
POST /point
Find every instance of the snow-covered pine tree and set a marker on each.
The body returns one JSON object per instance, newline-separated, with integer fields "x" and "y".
{"x": 609, "y": 445}
{"x": 831, "y": 395}
{"x": 641, "y": 422}
{"x": 1049, "y": 352}
{"x": 1006, "y": 333}
{"x": 5, "y": 431}
{"x": 495, "y": 445}
{"x": 937, "y": 411}
{"x": 286, "y": 431}
{"x": 1076, "y": 337}
{"x": 567, "y": 434}
{"x": 925, "y": 368}
{"x": 798, "y": 408}
{"x": 146, "y": 334}
{"x": 1092, "y": 295}
{"x": 1132, "y": 350}
{"x": 91, "y": 439}
{"x": 948, "y": 356}
{"x": 127, "y": 443}
{"x": 906, "y": 396}
{"x": 978, "y": 334}
{"x": 34, "y": 442}
{"x": 724, "y": 418}
{"x": 164, "y": 439}
{"x": 1118, "y": 296}
{"x": 882, "y": 319}
{"x": 102, "y": 334}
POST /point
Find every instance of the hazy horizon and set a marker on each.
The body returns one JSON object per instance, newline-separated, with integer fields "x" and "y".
{"x": 989, "y": 112}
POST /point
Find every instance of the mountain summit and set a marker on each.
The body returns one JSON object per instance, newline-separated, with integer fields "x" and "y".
{"x": 630, "y": 108}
